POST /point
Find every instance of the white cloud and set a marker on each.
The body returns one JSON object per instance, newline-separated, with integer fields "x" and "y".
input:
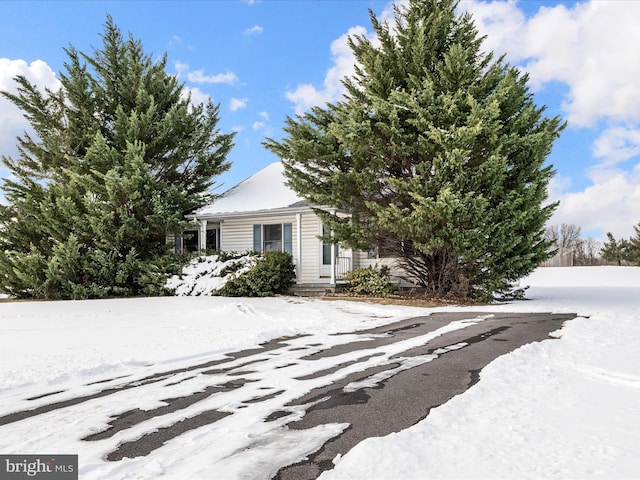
{"x": 181, "y": 68}
{"x": 198, "y": 76}
{"x": 264, "y": 115}
{"x": 197, "y": 95}
{"x": 609, "y": 205}
{"x": 306, "y": 95}
{"x": 237, "y": 103}
{"x": 237, "y": 128}
{"x": 177, "y": 41}
{"x": 617, "y": 144}
{"x": 263, "y": 128}
{"x": 499, "y": 20}
{"x": 12, "y": 122}
{"x": 591, "y": 47}
{"x": 255, "y": 30}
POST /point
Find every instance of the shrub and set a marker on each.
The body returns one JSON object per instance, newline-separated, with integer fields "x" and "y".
{"x": 235, "y": 262}
{"x": 272, "y": 275}
{"x": 369, "y": 281}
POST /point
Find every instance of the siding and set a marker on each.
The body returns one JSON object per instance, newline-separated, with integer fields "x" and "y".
{"x": 311, "y": 250}
{"x": 236, "y": 235}
{"x": 360, "y": 260}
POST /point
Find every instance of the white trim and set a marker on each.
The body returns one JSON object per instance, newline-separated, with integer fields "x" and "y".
{"x": 333, "y": 261}
{"x": 202, "y": 244}
{"x": 251, "y": 213}
{"x": 218, "y": 217}
{"x": 298, "y": 246}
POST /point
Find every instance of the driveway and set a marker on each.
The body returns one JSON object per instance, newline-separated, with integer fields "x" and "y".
{"x": 286, "y": 410}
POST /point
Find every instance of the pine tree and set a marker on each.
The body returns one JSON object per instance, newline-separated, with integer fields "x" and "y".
{"x": 633, "y": 246}
{"x": 437, "y": 151}
{"x": 623, "y": 250}
{"x": 614, "y": 250}
{"x": 118, "y": 157}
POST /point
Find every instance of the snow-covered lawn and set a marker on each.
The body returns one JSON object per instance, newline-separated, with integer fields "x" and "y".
{"x": 567, "y": 408}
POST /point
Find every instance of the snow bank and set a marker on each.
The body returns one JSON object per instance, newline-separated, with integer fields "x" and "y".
{"x": 584, "y": 277}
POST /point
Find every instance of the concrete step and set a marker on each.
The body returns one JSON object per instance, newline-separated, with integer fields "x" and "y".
{"x": 314, "y": 289}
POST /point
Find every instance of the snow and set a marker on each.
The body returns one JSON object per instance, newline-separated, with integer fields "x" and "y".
{"x": 208, "y": 274}
{"x": 564, "y": 408}
{"x": 265, "y": 190}
{"x": 568, "y": 408}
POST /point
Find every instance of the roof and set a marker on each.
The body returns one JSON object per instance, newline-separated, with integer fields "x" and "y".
{"x": 263, "y": 191}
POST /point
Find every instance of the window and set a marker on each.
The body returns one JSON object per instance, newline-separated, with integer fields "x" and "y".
{"x": 326, "y": 247}
{"x": 213, "y": 239}
{"x": 272, "y": 238}
{"x": 275, "y": 237}
{"x": 189, "y": 241}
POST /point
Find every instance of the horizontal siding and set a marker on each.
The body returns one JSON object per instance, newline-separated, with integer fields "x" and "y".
{"x": 311, "y": 249}
{"x": 397, "y": 273}
{"x": 236, "y": 234}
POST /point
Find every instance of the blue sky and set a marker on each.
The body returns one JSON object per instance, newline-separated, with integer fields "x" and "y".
{"x": 262, "y": 60}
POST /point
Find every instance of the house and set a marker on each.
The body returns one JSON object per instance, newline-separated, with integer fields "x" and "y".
{"x": 263, "y": 214}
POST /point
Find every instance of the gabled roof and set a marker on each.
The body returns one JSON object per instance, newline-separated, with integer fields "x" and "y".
{"x": 264, "y": 191}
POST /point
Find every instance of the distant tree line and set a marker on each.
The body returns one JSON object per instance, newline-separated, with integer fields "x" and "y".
{"x": 571, "y": 248}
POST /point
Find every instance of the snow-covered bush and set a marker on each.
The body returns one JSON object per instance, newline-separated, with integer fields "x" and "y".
{"x": 207, "y": 275}
{"x": 235, "y": 275}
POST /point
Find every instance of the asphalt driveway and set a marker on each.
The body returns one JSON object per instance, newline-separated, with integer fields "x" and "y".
{"x": 352, "y": 386}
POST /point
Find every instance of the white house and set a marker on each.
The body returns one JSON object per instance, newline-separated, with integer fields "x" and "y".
{"x": 263, "y": 214}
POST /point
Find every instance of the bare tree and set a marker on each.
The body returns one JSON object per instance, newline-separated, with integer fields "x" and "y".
{"x": 566, "y": 238}
{"x": 587, "y": 252}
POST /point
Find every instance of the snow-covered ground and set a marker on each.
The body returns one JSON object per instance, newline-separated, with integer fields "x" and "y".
{"x": 565, "y": 408}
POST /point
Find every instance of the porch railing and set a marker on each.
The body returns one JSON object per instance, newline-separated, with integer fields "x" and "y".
{"x": 343, "y": 266}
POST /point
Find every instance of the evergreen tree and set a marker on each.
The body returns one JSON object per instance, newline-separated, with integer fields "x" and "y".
{"x": 633, "y": 248}
{"x": 627, "y": 250}
{"x": 118, "y": 157}
{"x": 437, "y": 151}
{"x": 614, "y": 250}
